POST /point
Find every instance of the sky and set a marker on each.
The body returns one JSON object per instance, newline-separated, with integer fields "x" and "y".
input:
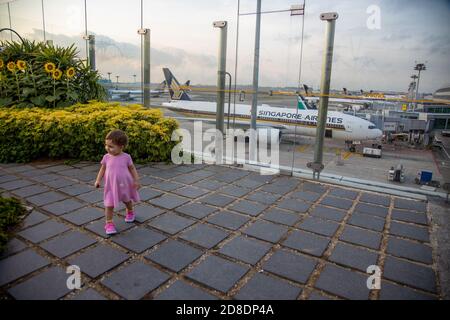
{"x": 376, "y": 45}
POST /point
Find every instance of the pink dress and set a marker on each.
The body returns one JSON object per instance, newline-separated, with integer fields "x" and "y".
{"x": 119, "y": 183}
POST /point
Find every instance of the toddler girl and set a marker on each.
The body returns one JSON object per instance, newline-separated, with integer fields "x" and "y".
{"x": 121, "y": 178}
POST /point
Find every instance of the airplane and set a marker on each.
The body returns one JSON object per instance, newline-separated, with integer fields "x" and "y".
{"x": 130, "y": 95}
{"x": 302, "y": 121}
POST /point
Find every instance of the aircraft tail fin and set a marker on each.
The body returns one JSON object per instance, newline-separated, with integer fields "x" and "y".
{"x": 176, "y": 93}
{"x": 302, "y": 104}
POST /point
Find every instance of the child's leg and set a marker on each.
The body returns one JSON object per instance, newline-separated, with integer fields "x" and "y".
{"x": 109, "y": 214}
{"x": 129, "y": 205}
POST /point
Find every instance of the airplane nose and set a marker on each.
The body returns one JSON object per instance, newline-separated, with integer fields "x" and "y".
{"x": 378, "y": 133}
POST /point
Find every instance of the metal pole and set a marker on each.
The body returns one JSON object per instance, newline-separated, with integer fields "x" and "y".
{"x": 253, "y": 142}
{"x": 417, "y": 89}
{"x": 317, "y": 165}
{"x": 86, "y": 32}
{"x": 146, "y": 68}
{"x": 92, "y": 52}
{"x": 222, "y": 59}
{"x": 43, "y": 19}
{"x": 9, "y": 16}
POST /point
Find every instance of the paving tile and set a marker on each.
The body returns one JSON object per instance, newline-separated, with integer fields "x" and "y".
{"x": 33, "y": 218}
{"x": 13, "y": 246}
{"x": 228, "y": 219}
{"x": 32, "y": 173}
{"x": 15, "y": 184}
{"x": 337, "y": 202}
{"x": 165, "y": 173}
{"x": 277, "y": 188}
{"x": 230, "y": 176}
{"x": 138, "y": 239}
{"x": 89, "y": 294}
{"x": 65, "y": 206}
{"x": 98, "y": 260}
{"x": 48, "y": 285}
{"x": 98, "y": 227}
{"x": 196, "y": 210}
{"x": 317, "y": 296}
{"x": 411, "y": 274}
{"x": 343, "y": 193}
{"x": 263, "y": 287}
{"x": 204, "y": 235}
{"x": 390, "y": 291}
{"x": 362, "y": 237}
{"x": 375, "y": 199}
{"x": 354, "y": 257}
{"x": 409, "y": 216}
{"x": 91, "y": 197}
{"x": 413, "y": 205}
{"x": 179, "y": 290}
{"x": 43, "y": 231}
{"x": 209, "y": 184}
{"x": 372, "y": 210}
{"x": 306, "y": 196}
{"x": 217, "y": 273}
{"x": 169, "y": 201}
{"x": 76, "y": 189}
{"x": 84, "y": 215}
{"x": 248, "y": 183}
{"x": 30, "y": 190}
{"x": 6, "y": 178}
{"x": 307, "y": 242}
{"x": 343, "y": 283}
{"x": 409, "y": 231}
{"x": 266, "y": 231}
{"x": 294, "y": 205}
{"x": 144, "y": 212}
{"x": 146, "y": 181}
{"x": 187, "y": 178}
{"x": 217, "y": 199}
{"x": 167, "y": 185}
{"x": 295, "y": 267}
{"x": 248, "y": 207}
{"x": 314, "y": 187}
{"x": 147, "y": 193}
{"x": 316, "y": 225}
{"x": 328, "y": 213}
{"x": 68, "y": 243}
{"x": 367, "y": 221}
{"x": 191, "y": 192}
{"x": 46, "y": 177}
{"x": 59, "y": 183}
{"x": 263, "y": 197}
{"x": 46, "y": 198}
{"x": 135, "y": 280}
{"x": 410, "y": 250}
{"x": 174, "y": 255}
{"x": 21, "y": 168}
{"x": 19, "y": 265}
{"x": 280, "y": 216}
{"x": 245, "y": 249}
{"x": 234, "y": 191}
{"x": 171, "y": 223}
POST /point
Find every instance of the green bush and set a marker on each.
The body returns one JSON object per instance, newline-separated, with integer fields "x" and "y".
{"x": 38, "y": 74}
{"x": 78, "y": 132}
{"x": 10, "y": 212}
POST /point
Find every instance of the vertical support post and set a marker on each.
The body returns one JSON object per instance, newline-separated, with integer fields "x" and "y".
{"x": 221, "y": 70}
{"x": 92, "y": 52}
{"x": 317, "y": 166}
{"x": 147, "y": 68}
{"x": 253, "y": 143}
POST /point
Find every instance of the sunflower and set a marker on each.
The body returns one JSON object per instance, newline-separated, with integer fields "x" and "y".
{"x": 49, "y": 67}
{"x": 57, "y": 74}
{"x": 21, "y": 65}
{"x": 70, "y": 72}
{"x": 11, "y": 66}
{"x": 1, "y": 64}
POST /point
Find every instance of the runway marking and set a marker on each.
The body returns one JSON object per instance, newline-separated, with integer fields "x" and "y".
{"x": 302, "y": 148}
{"x": 347, "y": 155}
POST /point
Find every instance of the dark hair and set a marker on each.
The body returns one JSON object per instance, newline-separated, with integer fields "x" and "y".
{"x": 117, "y": 137}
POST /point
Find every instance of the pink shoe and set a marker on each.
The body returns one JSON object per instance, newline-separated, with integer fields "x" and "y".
{"x": 110, "y": 228}
{"x": 130, "y": 216}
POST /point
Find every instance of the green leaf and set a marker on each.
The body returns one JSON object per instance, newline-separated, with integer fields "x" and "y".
{"x": 50, "y": 98}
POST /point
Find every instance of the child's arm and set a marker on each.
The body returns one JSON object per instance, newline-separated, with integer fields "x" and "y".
{"x": 100, "y": 176}
{"x": 135, "y": 175}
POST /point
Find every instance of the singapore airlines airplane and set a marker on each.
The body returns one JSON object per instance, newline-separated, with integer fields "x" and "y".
{"x": 302, "y": 121}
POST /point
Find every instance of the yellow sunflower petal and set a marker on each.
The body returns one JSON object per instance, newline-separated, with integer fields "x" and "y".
{"x": 57, "y": 74}
{"x": 11, "y": 66}
{"x": 21, "y": 65}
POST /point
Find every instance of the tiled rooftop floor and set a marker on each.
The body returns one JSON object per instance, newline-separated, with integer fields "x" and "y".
{"x": 213, "y": 232}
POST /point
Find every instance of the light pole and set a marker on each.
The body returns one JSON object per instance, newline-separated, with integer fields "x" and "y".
{"x": 419, "y": 67}
{"x": 109, "y": 76}
{"x": 134, "y": 78}
{"x": 117, "y": 83}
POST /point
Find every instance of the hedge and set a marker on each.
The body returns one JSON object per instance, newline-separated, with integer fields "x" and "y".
{"x": 78, "y": 132}
{"x": 10, "y": 212}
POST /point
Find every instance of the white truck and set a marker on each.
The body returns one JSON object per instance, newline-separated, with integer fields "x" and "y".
{"x": 372, "y": 152}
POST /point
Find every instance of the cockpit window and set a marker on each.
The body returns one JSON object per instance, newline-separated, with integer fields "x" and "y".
{"x": 372, "y": 127}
